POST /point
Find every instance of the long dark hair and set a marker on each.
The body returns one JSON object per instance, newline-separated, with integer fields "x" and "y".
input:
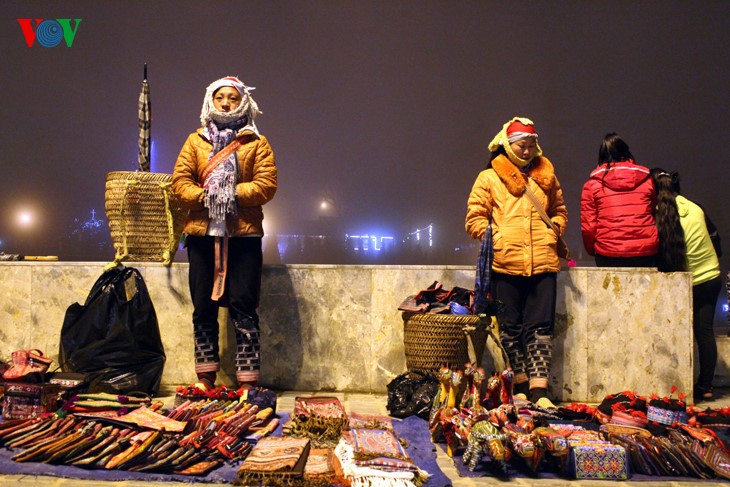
{"x": 672, "y": 255}
{"x": 613, "y": 149}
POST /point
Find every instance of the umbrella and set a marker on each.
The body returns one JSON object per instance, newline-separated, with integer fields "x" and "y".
{"x": 144, "y": 119}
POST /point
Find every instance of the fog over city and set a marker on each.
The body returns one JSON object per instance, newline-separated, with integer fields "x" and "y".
{"x": 379, "y": 112}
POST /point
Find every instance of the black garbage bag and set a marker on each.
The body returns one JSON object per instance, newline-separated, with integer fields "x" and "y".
{"x": 412, "y": 394}
{"x": 114, "y": 338}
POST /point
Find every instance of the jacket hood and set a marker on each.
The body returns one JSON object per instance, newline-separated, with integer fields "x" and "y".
{"x": 621, "y": 176}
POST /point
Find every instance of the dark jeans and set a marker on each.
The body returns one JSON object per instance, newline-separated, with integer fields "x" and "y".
{"x": 642, "y": 261}
{"x": 704, "y": 299}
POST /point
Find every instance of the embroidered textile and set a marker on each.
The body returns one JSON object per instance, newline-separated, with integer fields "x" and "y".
{"x": 141, "y": 416}
{"x": 364, "y": 475}
{"x": 274, "y": 461}
{"x": 364, "y": 421}
{"x": 323, "y": 406}
{"x": 370, "y": 444}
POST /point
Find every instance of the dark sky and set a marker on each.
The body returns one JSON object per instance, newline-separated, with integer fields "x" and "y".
{"x": 386, "y": 107}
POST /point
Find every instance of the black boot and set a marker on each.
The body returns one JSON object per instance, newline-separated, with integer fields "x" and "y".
{"x": 207, "y": 379}
{"x": 537, "y": 393}
{"x": 522, "y": 388}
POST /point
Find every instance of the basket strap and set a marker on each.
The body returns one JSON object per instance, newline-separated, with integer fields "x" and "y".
{"x": 468, "y": 329}
{"x": 167, "y": 253}
{"x": 123, "y": 252}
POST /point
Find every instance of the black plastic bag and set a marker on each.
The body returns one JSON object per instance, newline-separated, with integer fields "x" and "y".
{"x": 411, "y": 394}
{"x": 114, "y": 338}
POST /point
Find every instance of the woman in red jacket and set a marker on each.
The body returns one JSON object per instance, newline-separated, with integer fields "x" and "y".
{"x": 617, "y": 209}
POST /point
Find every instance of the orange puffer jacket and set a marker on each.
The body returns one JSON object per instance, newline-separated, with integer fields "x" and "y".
{"x": 523, "y": 243}
{"x": 256, "y": 183}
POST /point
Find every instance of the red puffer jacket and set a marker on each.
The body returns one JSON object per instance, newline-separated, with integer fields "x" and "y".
{"x": 616, "y": 211}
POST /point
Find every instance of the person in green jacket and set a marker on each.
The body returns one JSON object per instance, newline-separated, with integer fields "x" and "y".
{"x": 685, "y": 245}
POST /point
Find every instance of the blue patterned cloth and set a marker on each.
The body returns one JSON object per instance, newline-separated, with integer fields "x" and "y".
{"x": 484, "y": 270}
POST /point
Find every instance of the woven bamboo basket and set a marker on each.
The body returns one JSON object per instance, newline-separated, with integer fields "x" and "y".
{"x": 434, "y": 340}
{"x": 145, "y": 217}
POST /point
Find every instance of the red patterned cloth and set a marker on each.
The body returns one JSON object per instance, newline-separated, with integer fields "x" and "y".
{"x": 371, "y": 444}
{"x": 274, "y": 458}
{"x": 376, "y": 457}
{"x": 363, "y": 421}
{"x": 322, "y": 406}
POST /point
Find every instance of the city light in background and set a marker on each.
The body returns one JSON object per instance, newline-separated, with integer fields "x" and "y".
{"x": 25, "y": 218}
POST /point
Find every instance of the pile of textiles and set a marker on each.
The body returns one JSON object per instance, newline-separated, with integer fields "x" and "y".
{"x": 101, "y": 431}
{"x": 376, "y": 457}
{"x": 319, "y": 418}
{"x": 435, "y": 300}
{"x": 481, "y": 422}
{"x": 324, "y": 445}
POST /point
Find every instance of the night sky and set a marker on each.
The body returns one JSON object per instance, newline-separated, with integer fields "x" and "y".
{"x": 385, "y": 107}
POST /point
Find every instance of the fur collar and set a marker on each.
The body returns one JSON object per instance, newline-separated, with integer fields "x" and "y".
{"x": 542, "y": 172}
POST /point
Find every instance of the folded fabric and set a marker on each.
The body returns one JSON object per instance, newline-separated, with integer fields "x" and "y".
{"x": 392, "y": 468}
{"x": 322, "y": 406}
{"x": 370, "y": 444}
{"x": 320, "y": 418}
{"x": 370, "y": 421}
{"x": 275, "y": 461}
{"x": 322, "y": 468}
{"x": 410, "y": 304}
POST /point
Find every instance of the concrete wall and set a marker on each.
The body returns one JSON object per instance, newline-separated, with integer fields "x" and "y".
{"x": 338, "y": 327}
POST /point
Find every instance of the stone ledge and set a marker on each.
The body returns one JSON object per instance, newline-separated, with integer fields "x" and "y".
{"x": 337, "y": 328}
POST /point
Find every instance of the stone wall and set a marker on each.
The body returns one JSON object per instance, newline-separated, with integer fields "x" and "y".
{"x": 337, "y": 328}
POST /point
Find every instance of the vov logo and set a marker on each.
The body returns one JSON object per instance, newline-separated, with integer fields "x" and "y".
{"x": 49, "y": 32}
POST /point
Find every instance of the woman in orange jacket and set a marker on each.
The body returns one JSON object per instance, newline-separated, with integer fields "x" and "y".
{"x": 224, "y": 174}
{"x": 525, "y": 262}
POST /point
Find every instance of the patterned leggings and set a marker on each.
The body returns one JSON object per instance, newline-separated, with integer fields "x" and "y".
{"x": 526, "y": 324}
{"x": 243, "y": 287}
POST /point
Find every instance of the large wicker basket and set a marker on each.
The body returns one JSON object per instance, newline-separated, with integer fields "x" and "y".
{"x": 434, "y": 340}
{"x": 145, "y": 217}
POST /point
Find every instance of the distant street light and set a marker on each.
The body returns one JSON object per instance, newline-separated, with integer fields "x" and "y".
{"x": 25, "y": 218}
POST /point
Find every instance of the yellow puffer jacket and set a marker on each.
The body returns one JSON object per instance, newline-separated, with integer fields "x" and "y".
{"x": 256, "y": 183}
{"x": 523, "y": 243}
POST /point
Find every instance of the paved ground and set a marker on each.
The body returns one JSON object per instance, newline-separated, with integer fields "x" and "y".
{"x": 368, "y": 403}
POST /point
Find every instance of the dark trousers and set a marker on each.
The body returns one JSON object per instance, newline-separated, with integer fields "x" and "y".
{"x": 526, "y": 323}
{"x": 641, "y": 261}
{"x": 241, "y": 296}
{"x": 704, "y": 299}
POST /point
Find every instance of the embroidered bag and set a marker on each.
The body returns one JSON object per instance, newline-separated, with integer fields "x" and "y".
{"x": 27, "y": 363}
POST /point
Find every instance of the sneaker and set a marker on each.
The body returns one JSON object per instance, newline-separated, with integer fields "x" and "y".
{"x": 521, "y": 395}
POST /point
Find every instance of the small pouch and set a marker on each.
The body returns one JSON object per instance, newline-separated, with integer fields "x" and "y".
{"x": 28, "y": 366}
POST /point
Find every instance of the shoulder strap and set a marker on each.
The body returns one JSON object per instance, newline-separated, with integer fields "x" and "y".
{"x": 221, "y": 156}
{"x": 540, "y": 209}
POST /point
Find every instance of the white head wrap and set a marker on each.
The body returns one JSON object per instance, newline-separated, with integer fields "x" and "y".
{"x": 248, "y": 106}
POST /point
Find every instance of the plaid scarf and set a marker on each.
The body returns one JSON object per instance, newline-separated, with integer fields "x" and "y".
{"x": 484, "y": 269}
